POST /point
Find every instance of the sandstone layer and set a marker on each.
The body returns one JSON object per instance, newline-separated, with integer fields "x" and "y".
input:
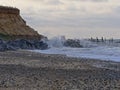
{"x": 12, "y": 25}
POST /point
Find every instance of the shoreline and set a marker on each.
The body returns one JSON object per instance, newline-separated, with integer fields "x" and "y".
{"x": 83, "y": 53}
{"x": 83, "y": 58}
{"x": 25, "y": 70}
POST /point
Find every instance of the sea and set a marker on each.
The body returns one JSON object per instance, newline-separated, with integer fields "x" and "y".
{"x": 103, "y": 50}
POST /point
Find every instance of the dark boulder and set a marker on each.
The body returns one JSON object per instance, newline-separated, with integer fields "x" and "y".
{"x": 1, "y": 41}
{"x": 40, "y": 45}
{"x": 72, "y": 43}
{"x": 22, "y": 44}
{"x": 28, "y": 44}
{"x": 4, "y": 46}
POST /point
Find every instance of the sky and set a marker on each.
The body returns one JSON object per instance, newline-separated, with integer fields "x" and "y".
{"x": 71, "y": 18}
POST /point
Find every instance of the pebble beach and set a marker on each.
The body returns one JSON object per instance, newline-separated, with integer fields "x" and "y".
{"x": 26, "y": 70}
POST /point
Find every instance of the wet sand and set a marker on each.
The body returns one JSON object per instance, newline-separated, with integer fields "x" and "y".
{"x": 25, "y": 70}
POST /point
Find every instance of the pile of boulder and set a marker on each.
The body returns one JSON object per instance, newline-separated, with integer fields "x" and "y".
{"x": 22, "y": 44}
{"x": 72, "y": 43}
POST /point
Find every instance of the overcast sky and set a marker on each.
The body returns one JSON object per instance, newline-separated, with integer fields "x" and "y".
{"x": 72, "y": 18}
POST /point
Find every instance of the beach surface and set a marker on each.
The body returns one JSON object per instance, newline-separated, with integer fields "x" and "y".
{"x": 26, "y": 70}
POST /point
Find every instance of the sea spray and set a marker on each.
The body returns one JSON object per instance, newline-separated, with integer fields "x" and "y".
{"x": 93, "y": 50}
{"x": 56, "y": 42}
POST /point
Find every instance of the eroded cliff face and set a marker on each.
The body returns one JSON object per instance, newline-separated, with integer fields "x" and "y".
{"x": 13, "y": 26}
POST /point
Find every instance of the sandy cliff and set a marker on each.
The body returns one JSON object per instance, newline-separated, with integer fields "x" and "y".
{"x": 12, "y": 26}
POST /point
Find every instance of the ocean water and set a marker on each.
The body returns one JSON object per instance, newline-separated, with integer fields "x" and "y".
{"x": 101, "y": 51}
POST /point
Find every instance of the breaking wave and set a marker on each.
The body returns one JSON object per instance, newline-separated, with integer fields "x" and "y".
{"x": 94, "y": 50}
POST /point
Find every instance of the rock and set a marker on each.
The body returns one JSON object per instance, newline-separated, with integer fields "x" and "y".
{"x": 9, "y": 47}
{"x": 40, "y": 45}
{"x": 15, "y": 33}
{"x": 4, "y": 46}
{"x": 12, "y": 25}
{"x": 72, "y": 43}
{"x": 22, "y": 44}
{"x": 28, "y": 44}
{"x": 1, "y": 41}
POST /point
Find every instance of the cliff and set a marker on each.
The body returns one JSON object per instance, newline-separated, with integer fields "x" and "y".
{"x": 12, "y": 26}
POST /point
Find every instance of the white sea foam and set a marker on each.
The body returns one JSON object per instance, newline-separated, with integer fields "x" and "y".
{"x": 102, "y": 51}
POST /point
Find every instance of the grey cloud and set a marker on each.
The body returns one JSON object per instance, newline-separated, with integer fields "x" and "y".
{"x": 117, "y": 9}
{"x": 53, "y": 2}
{"x": 100, "y": 0}
{"x": 92, "y": 0}
{"x": 96, "y": 22}
{"x": 44, "y": 18}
